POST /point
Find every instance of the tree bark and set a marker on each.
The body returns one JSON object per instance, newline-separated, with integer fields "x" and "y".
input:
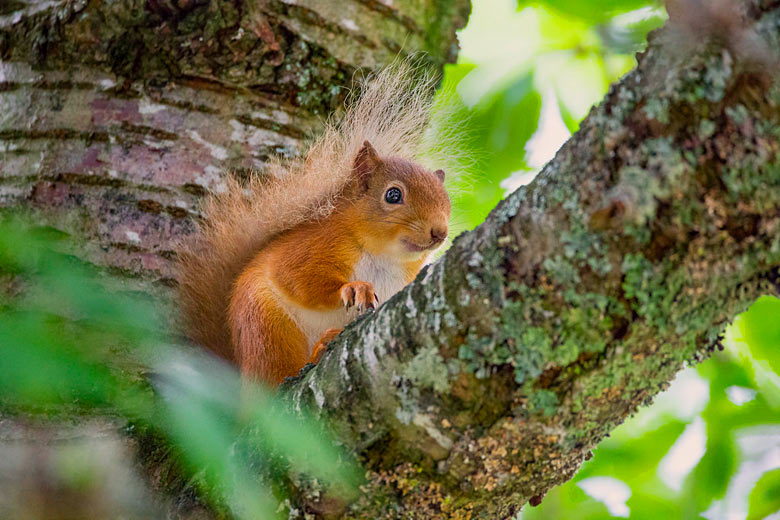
{"x": 574, "y": 303}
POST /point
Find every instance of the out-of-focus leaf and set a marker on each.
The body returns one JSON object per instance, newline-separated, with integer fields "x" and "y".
{"x": 201, "y": 417}
{"x": 634, "y": 460}
{"x": 710, "y": 479}
{"x": 724, "y": 372}
{"x": 645, "y": 505}
{"x": 765, "y": 497}
{"x": 628, "y": 38}
{"x": 453, "y": 73}
{"x": 495, "y": 132}
{"x": 65, "y": 286}
{"x": 588, "y": 72}
{"x": 638, "y": 31}
{"x": 760, "y": 327}
{"x": 511, "y": 116}
{"x": 568, "y": 501}
{"x": 593, "y": 11}
{"x": 37, "y": 367}
{"x": 60, "y": 341}
{"x": 302, "y": 442}
{"x": 571, "y": 122}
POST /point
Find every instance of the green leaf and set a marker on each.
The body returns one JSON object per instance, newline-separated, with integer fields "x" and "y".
{"x": 593, "y": 11}
{"x": 648, "y": 506}
{"x": 760, "y": 327}
{"x": 569, "y": 119}
{"x": 710, "y": 479}
{"x": 723, "y": 371}
{"x": 495, "y": 132}
{"x": 65, "y": 341}
{"x": 568, "y": 501}
{"x": 635, "y": 460}
{"x": 765, "y": 497}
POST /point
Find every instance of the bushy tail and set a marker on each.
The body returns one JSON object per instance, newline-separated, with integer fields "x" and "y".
{"x": 392, "y": 111}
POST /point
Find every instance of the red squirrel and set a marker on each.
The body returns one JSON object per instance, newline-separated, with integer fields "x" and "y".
{"x": 281, "y": 264}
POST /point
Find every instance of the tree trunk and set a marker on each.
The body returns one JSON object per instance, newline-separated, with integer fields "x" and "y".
{"x": 575, "y": 302}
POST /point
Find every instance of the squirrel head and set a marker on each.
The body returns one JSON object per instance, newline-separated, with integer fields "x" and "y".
{"x": 405, "y": 206}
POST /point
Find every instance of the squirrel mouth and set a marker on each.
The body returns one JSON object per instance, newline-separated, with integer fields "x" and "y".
{"x": 414, "y": 248}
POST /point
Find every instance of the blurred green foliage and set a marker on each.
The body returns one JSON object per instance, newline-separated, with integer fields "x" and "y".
{"x": 593, "y": 12}
{"x": 765, "y": 496}
{"x": 67, "y": 346}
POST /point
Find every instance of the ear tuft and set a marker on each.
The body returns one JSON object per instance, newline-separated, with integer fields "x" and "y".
{"x": 439, "y": 174}
{"x": 366, "y": 162}
{"x": 370, "y": 151}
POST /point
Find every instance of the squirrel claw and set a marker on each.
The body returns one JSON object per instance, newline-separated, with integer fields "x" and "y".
{"x": 321, "y": 347}
{"x": 359, "y": 294}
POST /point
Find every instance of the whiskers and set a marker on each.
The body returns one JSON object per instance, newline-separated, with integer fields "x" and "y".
{"x": 406, "y": 222}
{"x": 458, "y": 224}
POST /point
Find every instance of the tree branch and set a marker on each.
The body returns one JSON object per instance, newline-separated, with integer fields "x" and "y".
{"x": 491, "y": 377}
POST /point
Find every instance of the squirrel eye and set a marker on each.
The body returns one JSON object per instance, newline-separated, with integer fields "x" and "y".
{"x": 393, "y": 196}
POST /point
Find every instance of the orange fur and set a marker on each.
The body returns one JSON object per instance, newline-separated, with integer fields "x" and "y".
{"x": 319, "y": 348}
{"x": 265, "y": 281}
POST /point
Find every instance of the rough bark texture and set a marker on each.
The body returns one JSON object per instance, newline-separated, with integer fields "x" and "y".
{"x": 512, "y": 356}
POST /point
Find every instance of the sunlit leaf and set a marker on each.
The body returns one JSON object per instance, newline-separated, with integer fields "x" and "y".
{"x": 568, "y": 501}
{"x": 710, "y": 479}
{"x": 760, "y": 327}
{"x": 645, "y": 505}
{"x": 592, "y": 11}
{"x": 765, "y": 497}
{"x": 570, "y": 120}
{"x": 495, "y": 132}
{"x": 634, "y": 460}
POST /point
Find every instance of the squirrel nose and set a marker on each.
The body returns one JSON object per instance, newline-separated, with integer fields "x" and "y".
{"x": 438, "y": 234}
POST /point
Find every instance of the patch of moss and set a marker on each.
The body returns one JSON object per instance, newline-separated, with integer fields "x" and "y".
{"x": 543, "y": 401}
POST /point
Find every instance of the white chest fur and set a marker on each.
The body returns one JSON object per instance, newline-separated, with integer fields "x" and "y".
{"x": 386, "y": 274}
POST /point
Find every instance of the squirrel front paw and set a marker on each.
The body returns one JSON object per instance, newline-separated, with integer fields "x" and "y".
{"x": 360, "y": 294}
{"x": 319, "y": 348}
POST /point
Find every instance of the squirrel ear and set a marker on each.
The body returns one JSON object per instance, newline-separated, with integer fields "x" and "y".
{"x": 366, "y": 161}
{"x": 439, "y": 174}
